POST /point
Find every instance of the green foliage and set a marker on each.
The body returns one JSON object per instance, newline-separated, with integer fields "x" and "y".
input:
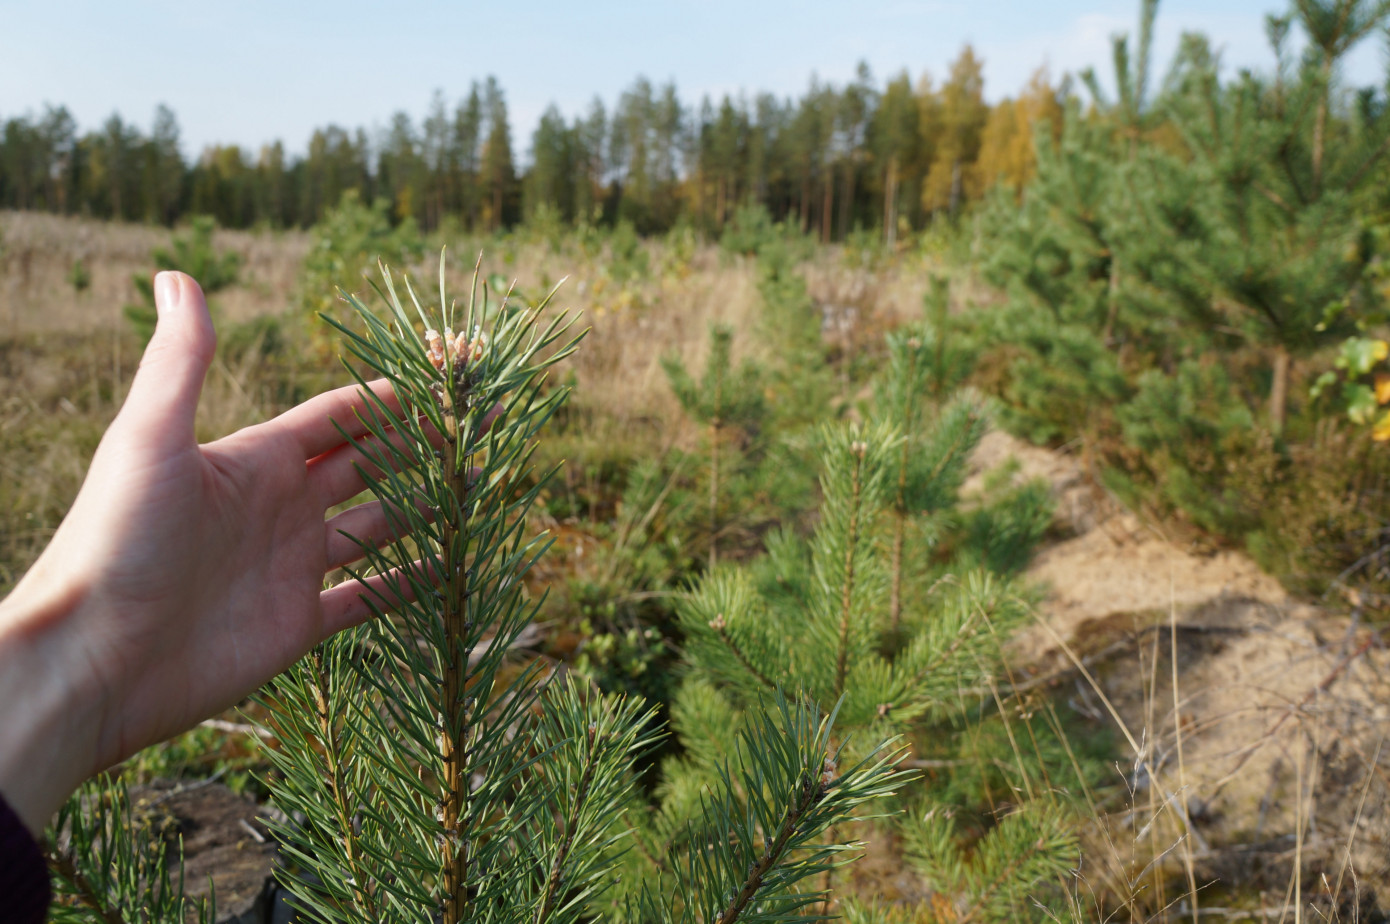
{"x": 627, "y": 258}
{"x": 79, "y": 277}
{"x": 768, "y": 818}
{"x": 1357, "y": 358}
{"x": 192, "y": 253}
{"x": 1006, "y": 874}
{"x": 799, "y": 385}
{"x": 349, "y": 243}
{"x": 754, "y": 233}
{"x": 1053, "y": 379}
{"x": 1000, "y": 532}
{"x": 435, "y": 776}
{"x": 814, "y": 614}
{"x": 108, "y": 865}
{"x": 1192, "y": 427}
{"x": 725, "y": 395}
{"x": 1176, "y": 259}
{"x": 725, "y": 398}
{"x": 199, "y": 753}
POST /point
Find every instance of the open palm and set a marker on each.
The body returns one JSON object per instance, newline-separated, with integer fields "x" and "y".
{"x": 186, "y": 575}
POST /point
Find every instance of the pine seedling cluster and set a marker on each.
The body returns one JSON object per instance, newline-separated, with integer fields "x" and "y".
{"x": 434, "y": 776}
{"x": 1187, "y": 255}
{"x": 927, "y": 469}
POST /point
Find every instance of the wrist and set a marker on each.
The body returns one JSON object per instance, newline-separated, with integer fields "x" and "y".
{"x": 49, "y": 720}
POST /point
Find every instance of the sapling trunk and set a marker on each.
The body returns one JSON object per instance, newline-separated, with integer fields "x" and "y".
{"x": 900, "y": 513}
{"x": 847, "y": 585}
{"x": 714, "y": 432}
{"x": 1279, "y": 388}
{"x": 454, "y": 715}
{"x": 940, "y": 308}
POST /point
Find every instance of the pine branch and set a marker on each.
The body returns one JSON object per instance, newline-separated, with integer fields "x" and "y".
{"x": 805, "y": 800}
{"x": 721, "y": 628}
{"x": 62, "y": 866}
{"x": 568, "y": 827}
{"x": 108, "y": 864}
{"x": 761, "y": 831}
{"x": 324, "y": 702}
{"x": 454, "y": 708}
{"x": 908, "y": 420}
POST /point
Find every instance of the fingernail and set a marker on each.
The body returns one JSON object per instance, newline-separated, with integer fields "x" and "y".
{"x": 166, "y": 291}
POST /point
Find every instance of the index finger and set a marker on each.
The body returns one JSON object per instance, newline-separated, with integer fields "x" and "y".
{"x": 319, "y": 424}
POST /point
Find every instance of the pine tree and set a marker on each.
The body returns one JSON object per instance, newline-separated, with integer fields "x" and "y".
{"x": 192, "y": 253}
{"x": 465, "y": 145}
{"x": 815, "y": 616}
{"x": 962, "y": 116}
{"x": 725, "y": 398}
{"x": 1285, "y": 250}
{"x": 548, "y": 184}
{"x": 926, "y": 473}
{"x": 894, "y": 134}
{"x": 1181, "y": 248}
{"x": 498, "y": 170}
{"x": 164, "y": 169}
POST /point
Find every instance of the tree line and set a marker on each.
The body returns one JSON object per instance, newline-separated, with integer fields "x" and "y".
{"x": 887, "y": 157}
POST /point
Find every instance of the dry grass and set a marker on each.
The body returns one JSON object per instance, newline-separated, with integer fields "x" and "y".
{"x": 69, "y": 356}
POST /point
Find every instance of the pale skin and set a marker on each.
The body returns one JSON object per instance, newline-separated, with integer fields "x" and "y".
{"x": 183, "y": 577}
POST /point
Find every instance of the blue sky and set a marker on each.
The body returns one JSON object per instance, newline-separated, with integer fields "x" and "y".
{"x": 254, "y": 70}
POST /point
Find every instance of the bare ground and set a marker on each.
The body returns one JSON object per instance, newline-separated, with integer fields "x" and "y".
{"x": 1259, "y": 758}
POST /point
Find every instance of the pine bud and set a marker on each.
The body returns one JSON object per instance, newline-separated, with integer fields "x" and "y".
{"x": 718, "y": 624}
{"x": 859, "y": 447}
{"x": 914, "y": 343}
{"x": 434, "y": 348}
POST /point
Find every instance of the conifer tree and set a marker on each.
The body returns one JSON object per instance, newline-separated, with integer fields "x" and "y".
{"x": 814, "y": 616}
{"x": 1283, "y": 248}
{"x": 725, "y": 397}
{"x": 894, "y": 135}
{"x": 962, "y": 114}
{"x": 191, "y": 253}
{"x": 498, "y": 169}
{"x": 926, "y": 471}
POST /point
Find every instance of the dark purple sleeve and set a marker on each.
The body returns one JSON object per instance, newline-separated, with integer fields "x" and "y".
{"x": 24, "y": 888}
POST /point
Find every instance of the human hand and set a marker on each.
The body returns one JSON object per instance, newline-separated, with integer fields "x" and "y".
{"x": 184, "y": 576}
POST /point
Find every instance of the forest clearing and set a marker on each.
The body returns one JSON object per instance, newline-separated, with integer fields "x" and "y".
{"x": 904, "y": 509}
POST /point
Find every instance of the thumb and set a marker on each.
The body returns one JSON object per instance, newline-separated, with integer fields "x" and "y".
{"x": 164, "y": 396}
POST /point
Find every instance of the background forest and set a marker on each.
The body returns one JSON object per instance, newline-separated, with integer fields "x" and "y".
{"x": 834, "y": 160}
{"x": 1046, "y": 434}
